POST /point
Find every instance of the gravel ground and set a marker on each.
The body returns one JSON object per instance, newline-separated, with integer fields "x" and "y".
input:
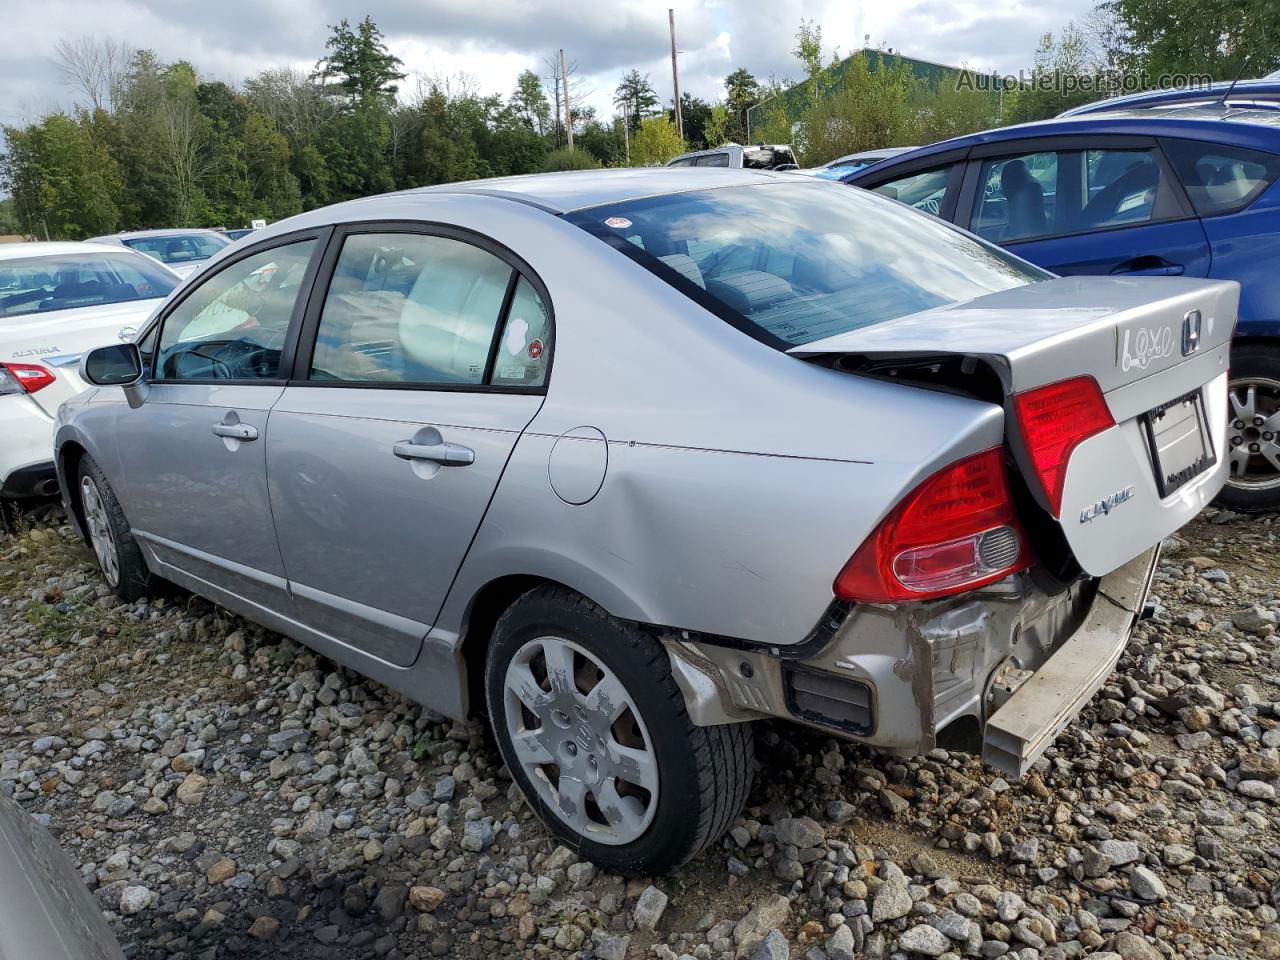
{"x": 226, "y": 792}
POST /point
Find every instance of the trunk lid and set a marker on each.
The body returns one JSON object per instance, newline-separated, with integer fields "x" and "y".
{"x": 1158, "y": 349}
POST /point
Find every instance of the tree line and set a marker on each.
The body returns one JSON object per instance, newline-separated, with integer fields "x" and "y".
{"x": 154, "y": 144}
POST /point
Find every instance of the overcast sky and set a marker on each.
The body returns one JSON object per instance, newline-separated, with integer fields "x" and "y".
{"x": 493, "y": 40}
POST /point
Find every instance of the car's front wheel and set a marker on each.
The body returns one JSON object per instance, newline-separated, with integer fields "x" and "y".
{"x": 118, "y": 555}
{"x": 594, "y": 730}
{"x": 1253, "y": 430}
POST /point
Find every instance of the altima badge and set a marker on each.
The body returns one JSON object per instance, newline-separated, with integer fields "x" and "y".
{"x": 1107, "y": 504}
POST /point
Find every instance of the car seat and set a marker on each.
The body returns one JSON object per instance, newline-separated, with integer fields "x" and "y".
{"x": 1024, "y": 199}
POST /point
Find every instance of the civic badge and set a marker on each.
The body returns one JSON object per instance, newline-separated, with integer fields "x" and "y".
{"x": 1191, "y": 333}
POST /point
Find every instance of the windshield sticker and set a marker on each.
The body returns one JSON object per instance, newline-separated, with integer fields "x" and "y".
{"x": 517, "y": 336}
{"x": 535, "y": 348}
{"x": 618, "y": 223}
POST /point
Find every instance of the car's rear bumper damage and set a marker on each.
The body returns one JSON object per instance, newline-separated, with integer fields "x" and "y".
{"x": 1001, "y": 671}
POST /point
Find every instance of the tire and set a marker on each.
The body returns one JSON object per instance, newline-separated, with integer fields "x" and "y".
{"x": 1257, "y": 486}
{"x": 109, "y": 536}
{"x": 700, "y": 775}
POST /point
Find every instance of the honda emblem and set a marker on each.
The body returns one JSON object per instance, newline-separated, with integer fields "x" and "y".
{"x": 1191, "y": 333}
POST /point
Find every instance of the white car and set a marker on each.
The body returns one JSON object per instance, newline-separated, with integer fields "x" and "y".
{"x": 57, "y": 300}
{"x": 182, "y": 250}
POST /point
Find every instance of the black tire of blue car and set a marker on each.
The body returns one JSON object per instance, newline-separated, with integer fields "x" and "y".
{"x": 1252, "y": 429}
{"x": 704, "y": 773}
{"x": 132, "y": 580}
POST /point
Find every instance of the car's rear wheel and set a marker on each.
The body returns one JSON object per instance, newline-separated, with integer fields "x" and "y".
{"x": 594, "y": 730}
{"x": 119, "y": 558}
{"x": 1253, "y": 430}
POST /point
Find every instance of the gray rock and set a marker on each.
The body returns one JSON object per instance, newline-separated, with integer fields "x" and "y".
{"x": 610, "y": 947}
{"x": 891, "y": 901}
{"x": 1146, "y": 884}
{"x": 772, "y": 947}
{"x": 1256, "y": 790}
{"x": 283, "y": 740}
{"x": 1120, "y": 852}
{"x": 768, "y": 912}
{"x": 840, "y": 945}
{"x": 924, "y": 939}
{"x": 649, "y": 908}
{"x": 1133, "y": 947}
{"x": 135, "y": 899}
{"x": 800, "y": 832}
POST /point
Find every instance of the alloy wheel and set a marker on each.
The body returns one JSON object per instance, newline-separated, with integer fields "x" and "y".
{"x": 581, "y": 741}
{"x": 101, "y": 537}
{"x": 1253, "y": 434}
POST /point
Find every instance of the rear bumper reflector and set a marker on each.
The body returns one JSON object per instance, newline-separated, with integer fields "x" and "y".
{"x": 1027, "y": 723}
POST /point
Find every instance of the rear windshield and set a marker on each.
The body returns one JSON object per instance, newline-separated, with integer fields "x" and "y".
{"x": 180, "y": 249}
{"x": 42, "y": 284}
{"x": 792, "y": 263}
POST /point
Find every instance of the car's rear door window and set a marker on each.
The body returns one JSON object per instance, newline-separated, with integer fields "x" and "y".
{"x": 1221, "y": 179}
{"x": 416, "y": 309}
{"x": 926, "y": 190}
{"x": 792, "y": 263}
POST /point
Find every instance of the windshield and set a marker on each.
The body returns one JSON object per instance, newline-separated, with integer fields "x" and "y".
{"x": 791, "y": 263}
{"x": 42, "y": 284}
{"x": 183, "y": 248}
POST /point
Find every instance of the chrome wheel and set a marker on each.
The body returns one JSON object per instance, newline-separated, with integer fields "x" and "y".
{"x": 1253, "y": 434}
{"x": 579, "y": 738}
{"x": 101, "y": 538}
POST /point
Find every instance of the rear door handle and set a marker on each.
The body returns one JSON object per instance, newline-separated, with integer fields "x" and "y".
{"x": 1149, "y": 266}
{"x": 235, "y": 431}
{"x": 445, "y": 454}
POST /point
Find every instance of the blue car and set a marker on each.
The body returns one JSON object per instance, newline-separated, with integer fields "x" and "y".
{"x": 1181, "y": 191}
{"x": 1264, "y": 94}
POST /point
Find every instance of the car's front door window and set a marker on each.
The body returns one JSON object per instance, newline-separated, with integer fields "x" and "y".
{"x": 1052, "y": 193}
{"x": 234, "y": 325}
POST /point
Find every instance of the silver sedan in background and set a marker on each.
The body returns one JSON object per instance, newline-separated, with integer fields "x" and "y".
{"x": 182, "y": 250}
{"x": 628, "y": 459}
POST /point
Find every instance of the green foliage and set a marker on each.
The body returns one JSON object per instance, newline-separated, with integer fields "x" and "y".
{"x": 359, "y": 63}
{"x": 1218, "y": 37}
{"x": 694, "y": 112}
{"x": 569, "y": 159}
{"x": 864, "y": 111}
{"x": 1059, "y": 61}
{"x": 743, "y": 91}
{"x": 655, "y": 143}
{"x": 635, "y": 98}
{"x": 716, "y": 129}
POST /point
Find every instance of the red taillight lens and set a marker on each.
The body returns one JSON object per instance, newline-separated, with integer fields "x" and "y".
{"x": 1056, "y": 419}
{"x": 29, "y": 376}
{"x": 955, "y": 531}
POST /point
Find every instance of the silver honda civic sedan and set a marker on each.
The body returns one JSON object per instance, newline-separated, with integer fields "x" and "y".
{"x": 628, "y": 459}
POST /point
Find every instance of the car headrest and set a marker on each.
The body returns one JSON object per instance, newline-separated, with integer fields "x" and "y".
{"x": 686, "y": 266}
{"x": 749, "y": 290}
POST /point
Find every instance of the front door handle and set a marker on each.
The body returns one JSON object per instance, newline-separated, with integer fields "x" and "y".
{"x": 235, "y": 431}
{"x": 445, "y": 454}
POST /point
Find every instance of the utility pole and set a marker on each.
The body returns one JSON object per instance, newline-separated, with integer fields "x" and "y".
{"x": 675, "y": 73}
{"x": 568, "y": 111}
{"x": 626, "y": 128}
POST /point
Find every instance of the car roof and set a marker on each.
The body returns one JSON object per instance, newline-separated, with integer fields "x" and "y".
{"x": 578, "y": 189}
{"x": 160, "y": 232}
{"x": 1243, "y": 126}
{"x": 55, "y": 248}
{"x": 1267, "y": 89}
{"x": 885, "y": 152}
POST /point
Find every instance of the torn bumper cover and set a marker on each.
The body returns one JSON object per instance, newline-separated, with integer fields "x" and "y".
{"x": 1005, "y": 669}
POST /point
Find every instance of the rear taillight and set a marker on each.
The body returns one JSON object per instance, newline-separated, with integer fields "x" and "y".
{"x": 1054, "y": 420}
{"x": 23, "y": 378}
{"x": 955, "y": 531}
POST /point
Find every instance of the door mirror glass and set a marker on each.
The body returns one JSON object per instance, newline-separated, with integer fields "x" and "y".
{"x": 115, "y": 366}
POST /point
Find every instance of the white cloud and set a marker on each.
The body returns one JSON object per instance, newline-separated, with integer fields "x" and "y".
{"x": 494, "y": 40}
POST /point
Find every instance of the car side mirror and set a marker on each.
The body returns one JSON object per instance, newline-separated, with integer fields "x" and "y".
{"x": 119, "y": 365}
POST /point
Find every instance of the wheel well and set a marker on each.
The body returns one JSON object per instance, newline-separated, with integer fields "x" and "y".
{"x": 69, "y": 457}
{"x": 477, "y": 629}
{"x": 1238, "y": 343}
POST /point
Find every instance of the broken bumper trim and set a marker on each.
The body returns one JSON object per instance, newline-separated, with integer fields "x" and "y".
{"x": 1028, "y": 722}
